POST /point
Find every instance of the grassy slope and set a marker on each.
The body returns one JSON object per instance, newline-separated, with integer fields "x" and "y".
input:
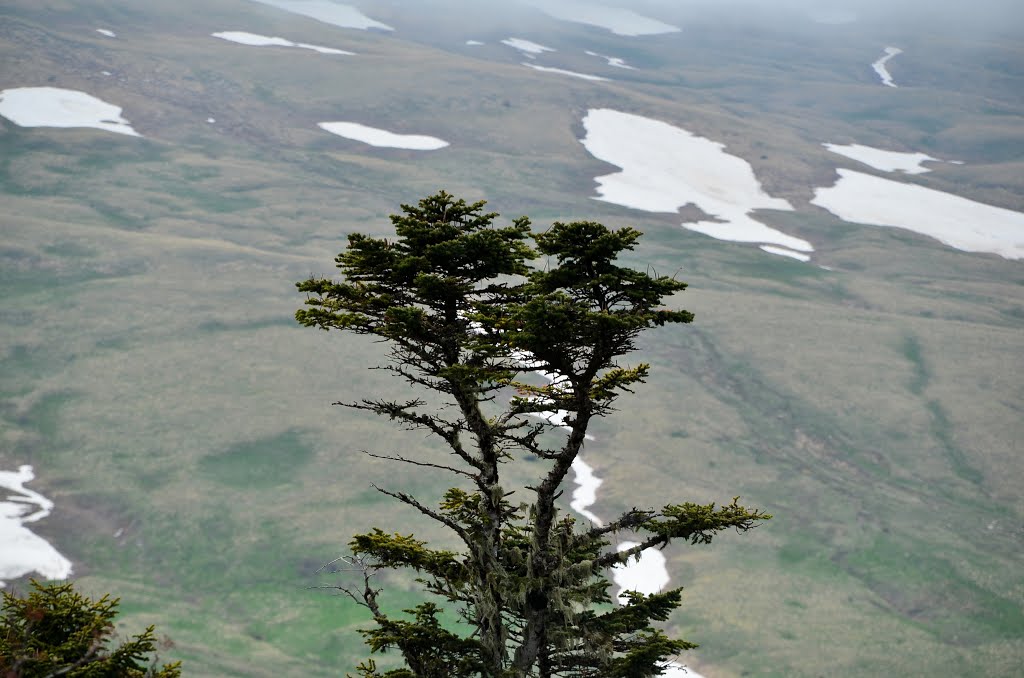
{"x": 183, "y": 426}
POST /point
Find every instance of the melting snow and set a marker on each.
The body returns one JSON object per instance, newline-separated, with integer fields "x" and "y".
{"x": 887, "y": 161}
{"x": 880, "y": 68}
{"x": 957, "y": 222}
{"x": 562, "y": 71}
{"x": 665, "y": 167}
{"x": 782, "y": 251}
{"x": 585, "y": 493}
{"x": 676, "y": 670}
{"x": 382, "y": 138}
{"x": 557, "y": 417}
{"x": 23, "y": 550}
{"x": 612, "y": 61}
{"x": 617, "y": 20}
{"x": 526, "y": 47}
{"x": 56, "y": 107}
{"x": 328, "y": 12}
{"x": 255, "y": 40}
{"x": 647, "y": 575}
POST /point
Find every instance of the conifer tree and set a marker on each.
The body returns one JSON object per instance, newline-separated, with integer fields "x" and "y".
{"x": 467, "y": 318}
{"x": 56, "y": 631}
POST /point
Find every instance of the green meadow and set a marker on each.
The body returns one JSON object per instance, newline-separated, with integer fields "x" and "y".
{"x": 152, "y": 374}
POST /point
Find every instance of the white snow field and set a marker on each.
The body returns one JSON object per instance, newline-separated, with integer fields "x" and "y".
{"x": 562, "y": 71}
{"x": 557, "y": 417}
{"x": 24, "y": 551}
{"x": 881, "y": 69}
{"x": 586, "y": 481}
{"x": 256, "y": 40}
{"x": 107, "y": 32}
{"x": 382, "y": 138}
{"x": 56, "y": 107}
{"x": 615, "y": 19}
{"x": 612, "y": 61}
{"x": 886, "y": 161}
{"x": 526, "y": 47}
{"x": 676, "y": 670}
{"x": 585, "y": 494}
{"x": 783, "y": 252}
{"x": 344, "y": 16}
{"x": 647, "y": 575}
{"x": 665, "y": 167}
{"x": 958, "y": 222}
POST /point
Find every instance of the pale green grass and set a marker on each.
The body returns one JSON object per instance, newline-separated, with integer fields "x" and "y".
{"x": 183, "y": 425}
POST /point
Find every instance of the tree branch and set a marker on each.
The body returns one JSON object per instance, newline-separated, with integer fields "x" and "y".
{"x": 631, "y": 519}
{"x": 444, "y": 520}
{"x": 399, "y": 411}
{"x": 422, "y": 463}
{"x": 617, "y": 557}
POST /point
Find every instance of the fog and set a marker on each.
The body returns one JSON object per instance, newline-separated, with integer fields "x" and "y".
{"x": 954, "y": 15}
{"x": 1005, "y": 17}
{"x": 984, "y": 11}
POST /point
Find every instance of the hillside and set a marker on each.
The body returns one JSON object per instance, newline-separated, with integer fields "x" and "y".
{"x": 864, "y": 389}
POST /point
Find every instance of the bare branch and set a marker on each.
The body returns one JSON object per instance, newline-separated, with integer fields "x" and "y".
{"x": 411, "y": 501}
{"x": 368, "y": 596}
{"x": 401, "y": 412}
{"x": 422, "y": 463}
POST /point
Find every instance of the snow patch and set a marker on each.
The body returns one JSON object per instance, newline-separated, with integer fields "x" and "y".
{"x": 612, "y": 61}
{"x": 556, "y": 417}
{"x": 676, "y": 670}
{"x": 562, "y": 71}
{"x": 783, "y": 252}
{"x": 256, "y": 40}
{"x": 526, "y": 47}
{"x": 344, "y": 16}
{"x": 23, "y": 550}
{"x": 322, "y": 50}
{"x": 585, "y": 494}
{"x": 887, "y": 161}
{"x": 382, "y": 138}
{"x": 473, "y": 43}
{"x": 615, "y": 19}
{"x": 958, "y": 222}
{"x": 881, "y": 69}
{"x": 56, "y": 107}
{"x": 107, "y": 32}
{"x": 645, "y": 575}
{"x": 243, "y": 38}
{"x": 665, "y": 167}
